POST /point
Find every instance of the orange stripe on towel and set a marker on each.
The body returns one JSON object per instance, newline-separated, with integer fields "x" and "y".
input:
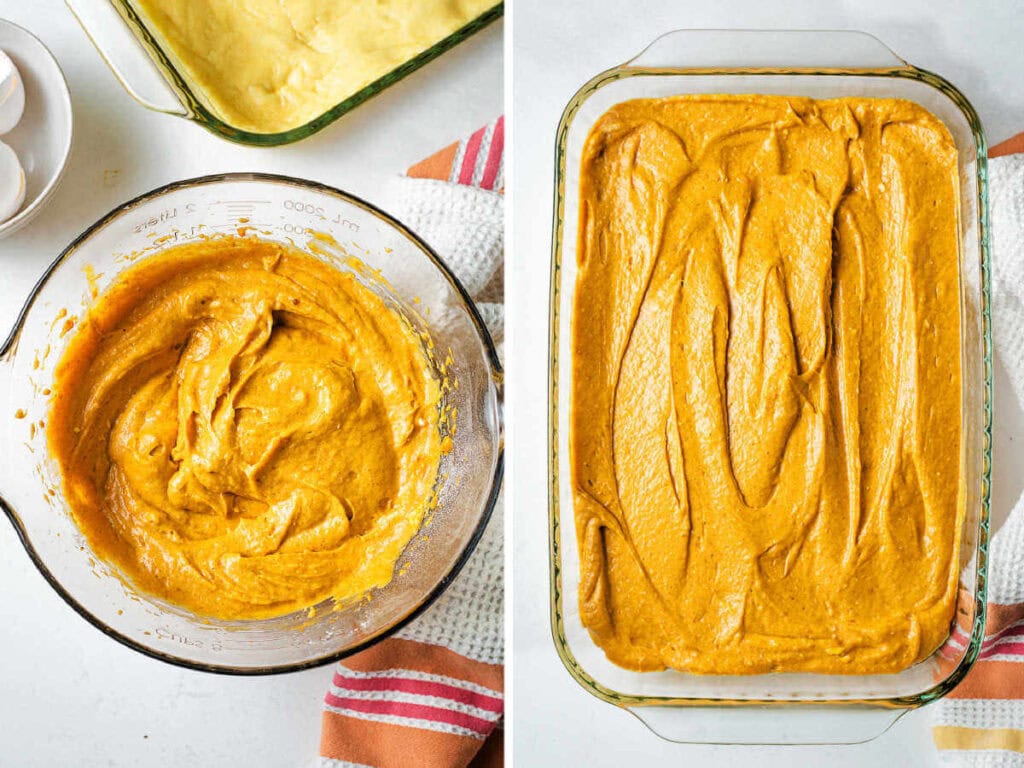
{"x": 434, "y": 659}
{"x": 437, "y": 166}
{"x": 1009, "y": 147}
{"x": 403, "y": 703}
{"x": 383, "y": 745}
{"x": 992, "y": 680}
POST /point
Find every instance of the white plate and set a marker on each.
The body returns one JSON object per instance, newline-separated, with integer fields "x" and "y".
{"x": 42, "y": 138}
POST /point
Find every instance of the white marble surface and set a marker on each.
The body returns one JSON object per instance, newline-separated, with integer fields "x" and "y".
{"x": 70, "y": 696}
{"x": 557, "y": 46}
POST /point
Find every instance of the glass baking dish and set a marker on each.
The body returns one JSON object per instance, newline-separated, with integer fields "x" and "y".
{"x": 149, "y": 73}
{"x": 781, "y": 708}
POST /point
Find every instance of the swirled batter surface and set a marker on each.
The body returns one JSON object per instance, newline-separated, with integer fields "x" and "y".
{"x": 765, "y": 425}
{"x": 273, "y": 65}
{"x": 245, "y": 430}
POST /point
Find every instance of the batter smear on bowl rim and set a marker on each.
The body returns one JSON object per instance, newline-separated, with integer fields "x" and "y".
{"x": 766, "y": 399}
{"x": 244, "y": 430}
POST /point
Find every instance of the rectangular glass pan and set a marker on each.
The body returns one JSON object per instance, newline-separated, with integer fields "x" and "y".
{"x": 149, "y": 72}
{"x": 832, "y": 708}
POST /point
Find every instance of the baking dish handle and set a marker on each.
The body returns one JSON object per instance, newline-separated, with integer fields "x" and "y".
{"x": 768, "y": 725}
{"x": 768, "y": 49}
{"x": 125, "y": 56}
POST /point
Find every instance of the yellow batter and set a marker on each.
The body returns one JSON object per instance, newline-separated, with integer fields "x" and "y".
{"x": 244, "y": 430}
{"x": 272, "y": 65}
{"x": 765, "y": 426}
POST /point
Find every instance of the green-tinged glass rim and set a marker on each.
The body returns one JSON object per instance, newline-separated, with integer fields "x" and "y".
{"x": 977, "y": 631}
{"x": 197, "y": 111}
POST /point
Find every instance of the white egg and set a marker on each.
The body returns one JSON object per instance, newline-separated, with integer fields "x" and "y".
{"x": 12, "y": 183}
{"x": 12, "y": 94}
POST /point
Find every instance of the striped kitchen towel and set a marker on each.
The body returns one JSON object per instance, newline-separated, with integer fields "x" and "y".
{"x": 477, "y": 161}
{"x": 980, "y": 724}
{"x": 432, "y": 695}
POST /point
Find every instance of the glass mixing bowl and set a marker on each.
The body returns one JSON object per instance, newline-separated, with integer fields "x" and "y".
{"x": 333, "y": 226}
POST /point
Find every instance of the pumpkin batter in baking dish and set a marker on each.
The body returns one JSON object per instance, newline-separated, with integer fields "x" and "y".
{"x": 244, "y": 430}
{"x": 765, "y": 423}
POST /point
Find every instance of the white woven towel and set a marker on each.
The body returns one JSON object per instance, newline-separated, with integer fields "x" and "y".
{"x": 985, "y": 729}
{"x": 465, "y": 225}
{"x": 1006, "y": 179}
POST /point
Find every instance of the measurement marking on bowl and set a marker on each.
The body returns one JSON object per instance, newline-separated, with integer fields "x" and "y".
{"x": 166, "y": 634}
{"x": 237, "y": 208}
{"x": 345, "y": 223}
{"x": 171, "y": 237}
{"x": 167, "y": 214}
{"x": 319, "y": 212}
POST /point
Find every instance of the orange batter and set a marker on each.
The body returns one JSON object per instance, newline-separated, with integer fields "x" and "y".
{"x": 246, "y": 431}
{"x": 765, "y": 427}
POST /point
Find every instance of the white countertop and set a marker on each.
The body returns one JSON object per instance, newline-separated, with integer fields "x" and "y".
{"x": 69, "y": 695}
{"x": 557, "y": 46}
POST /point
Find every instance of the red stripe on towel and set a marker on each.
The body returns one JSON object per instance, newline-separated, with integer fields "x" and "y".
{"x": 422, "y": 688}
{"x": 413, "y": 712}
{"x": 494, "y": 156}
{"x": 469, "y": 160}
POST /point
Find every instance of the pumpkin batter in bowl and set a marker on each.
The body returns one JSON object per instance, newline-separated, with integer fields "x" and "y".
{"x": 765, "y": 423}
{"x": 245, "y": 430}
